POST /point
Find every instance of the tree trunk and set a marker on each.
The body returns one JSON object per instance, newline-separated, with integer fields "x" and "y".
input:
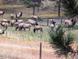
{"x": 66, "y": 57}
{"x": 34, "y": 10}
{"x": 37, "y": 9}
{"x": 59, "y": 10}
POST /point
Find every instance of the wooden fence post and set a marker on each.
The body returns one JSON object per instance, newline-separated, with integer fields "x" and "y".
{"x": 40, "y": 51}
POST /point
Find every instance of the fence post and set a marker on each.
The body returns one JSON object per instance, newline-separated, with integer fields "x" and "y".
{"x": 40, "y": 51}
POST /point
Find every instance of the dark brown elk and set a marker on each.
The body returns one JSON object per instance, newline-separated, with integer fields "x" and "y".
{"x": 37, "y": 28}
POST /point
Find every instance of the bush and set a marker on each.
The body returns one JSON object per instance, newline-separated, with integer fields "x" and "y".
{"x": 75, "y": 27}
{"x": 61, "y": 40}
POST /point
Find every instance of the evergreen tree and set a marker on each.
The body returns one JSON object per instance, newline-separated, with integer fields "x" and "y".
{"x": 32, "y": 3}
{"x": 70, "y": 7}
{"x": 61, "y": 41}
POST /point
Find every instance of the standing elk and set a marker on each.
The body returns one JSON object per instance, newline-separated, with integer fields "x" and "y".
{"x": 5, "y": 23}
{"x": 14, "y": 22}
{"x": 52, "y": 23}
{"x": 71, "y": 22}
{"x": 2, "y": 12}
{"x": 18, "y": 15}
{"x": 12, "y": 16}
{"x": 68, "y": 22}
{"x": 23, "y": 26}
{"x": 32, "y": 22}
{"x": 2, "y": 31}
{"x": 37, "y": 27}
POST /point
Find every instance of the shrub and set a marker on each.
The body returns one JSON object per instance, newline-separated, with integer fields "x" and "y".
{"x": 61, "y": 40}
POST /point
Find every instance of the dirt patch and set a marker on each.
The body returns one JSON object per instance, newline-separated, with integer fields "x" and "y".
{"x": 21, "y": 49}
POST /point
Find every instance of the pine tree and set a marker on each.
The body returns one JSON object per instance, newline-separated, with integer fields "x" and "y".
{"x": 32, "y": 4}
{"x": 61, "y": 41}
{"x": 70, "y": 7}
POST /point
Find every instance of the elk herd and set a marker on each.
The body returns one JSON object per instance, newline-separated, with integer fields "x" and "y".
{"x": 20, "y": 24}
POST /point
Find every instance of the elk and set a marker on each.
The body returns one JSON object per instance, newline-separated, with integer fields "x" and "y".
{"x": 2, "y": 12}
{"x": 23, "y": 26}
{"x": 18, "y": 15}
{"x": 70, "y": 22}
{"x": 32, "y": 22}
{"x": 5, "y": 23}
{"x": 37, "y": 27}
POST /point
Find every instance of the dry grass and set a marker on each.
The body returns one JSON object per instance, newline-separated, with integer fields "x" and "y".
{"x": 23, "y": 49}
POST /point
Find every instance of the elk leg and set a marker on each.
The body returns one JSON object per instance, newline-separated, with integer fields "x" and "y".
{"x": 34, "y": 30}
{"x": 20, "y": 28}
{"x": 11, "y": 24}
{"x": 16, "y": 28}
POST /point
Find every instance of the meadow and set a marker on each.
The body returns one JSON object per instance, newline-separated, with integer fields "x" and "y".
{"x": 30, "y": 35}
{"x": 26, "y": 44}
{"x": 27, "y": 35}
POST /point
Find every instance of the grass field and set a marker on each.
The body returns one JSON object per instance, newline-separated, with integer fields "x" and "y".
{"x": 25, "y": 44}
{"x": 30, "y": 35}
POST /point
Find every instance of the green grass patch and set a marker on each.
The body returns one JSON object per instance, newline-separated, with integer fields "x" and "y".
{"x": 28, "y": 35}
